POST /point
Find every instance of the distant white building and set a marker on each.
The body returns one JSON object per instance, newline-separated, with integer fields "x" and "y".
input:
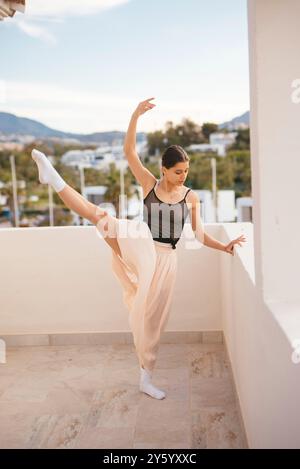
{"x": 101, "y": 157}
{"x": 207, "y": 147}
{"x": 244, "y": 209}
{"x": 133, "y": 206}
{"x": 95, "y": 194}
{"x": 218, "y": 143}
{"x": 3, "y": 199}
{"x": 226, "y": 210}
{"x": 86, "y": 158}
{"x": 206, "y": 209}
{"x": 222, "y": 138}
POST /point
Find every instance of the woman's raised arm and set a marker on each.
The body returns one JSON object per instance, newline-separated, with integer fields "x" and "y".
{"x": 144, "y": 177}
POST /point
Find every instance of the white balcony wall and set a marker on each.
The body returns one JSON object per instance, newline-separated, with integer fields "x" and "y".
{"x": 266, "y": 378}
{"x": 274, "y": 39}
{"x": 59, "y": 280}
{"x": 261, "y": 305}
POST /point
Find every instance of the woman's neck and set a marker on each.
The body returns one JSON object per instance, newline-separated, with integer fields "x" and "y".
{"x": 166, "y": 186}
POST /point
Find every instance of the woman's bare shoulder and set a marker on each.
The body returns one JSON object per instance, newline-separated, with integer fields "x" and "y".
{"x": 148, "y": 187}
{"x": 192, "y": 196}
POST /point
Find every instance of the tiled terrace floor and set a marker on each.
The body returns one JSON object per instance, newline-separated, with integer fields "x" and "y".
{"x": 87, "y": 396}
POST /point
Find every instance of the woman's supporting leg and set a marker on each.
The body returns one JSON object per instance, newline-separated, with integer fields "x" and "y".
{"x": 72, "y": 199}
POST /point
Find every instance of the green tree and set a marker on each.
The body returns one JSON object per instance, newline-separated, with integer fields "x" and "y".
{"x": 208, "y": 128}
{"x": 241, "y": 164}
{"x": 183, "y": 134}
{"x": 242, "y": 141}
{"x": 199, "y": 176}
{"x": 155, "y": 142}
{"x": 113, "y": 190}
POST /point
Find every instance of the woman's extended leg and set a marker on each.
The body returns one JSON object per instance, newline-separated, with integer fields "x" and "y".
{"x": 77, "y": 203}
{"x": 72, "y": 199}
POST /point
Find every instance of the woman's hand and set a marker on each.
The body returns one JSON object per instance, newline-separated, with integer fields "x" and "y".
{"x": 143, "y": 107}
{"x": 230, "y": 246}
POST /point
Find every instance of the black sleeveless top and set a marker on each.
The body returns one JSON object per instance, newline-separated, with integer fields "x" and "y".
{"x": 166, "y": 221}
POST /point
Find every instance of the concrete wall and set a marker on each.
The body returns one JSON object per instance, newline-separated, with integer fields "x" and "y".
{"x": 274, "y": 39}
{"x": 261, "y": 311}
{"x": 55, "y": 280}
{"x": 266, "y": 378}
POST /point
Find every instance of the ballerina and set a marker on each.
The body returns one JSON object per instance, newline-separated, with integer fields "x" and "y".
{"x": 144, "y": 257}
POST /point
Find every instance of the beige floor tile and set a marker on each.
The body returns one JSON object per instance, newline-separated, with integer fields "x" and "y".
{"x": 103, "y": 437}
{"x": 211, "y": 392}
{"x": 55, "y": 431}
{"x": 217, "y": 427}
{"x": 171, "y": 356}
{"x": 162, "y": 423}
{"x": 30, "y": 387}
{"x": 87, "y": 396}
{"x": 14, "y": 428}
{"x": 175, "y": 382}
{"x": 67, "y": 399}
{"x": 161, "y": 445}
{"x": 116, "y": 406}
{"x": 208, "y": 364}
{"x": 163, "y": 435}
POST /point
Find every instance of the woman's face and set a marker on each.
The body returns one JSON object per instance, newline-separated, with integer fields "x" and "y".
{"x": 177, "y": 174}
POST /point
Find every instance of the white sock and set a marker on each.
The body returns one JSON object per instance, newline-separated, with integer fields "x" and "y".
{"x": 47, "y": 173}
{"x": 147, "y": 387}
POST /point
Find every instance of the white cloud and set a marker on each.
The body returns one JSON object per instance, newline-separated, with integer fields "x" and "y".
{"x": 57, "y": 11}
{"x": 69, "y": 7}
{"x": 35, "y": 31}
{"x": 52, "y": 94}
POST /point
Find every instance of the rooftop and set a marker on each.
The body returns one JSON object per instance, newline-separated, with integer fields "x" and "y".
{"x": 87, "y": 396}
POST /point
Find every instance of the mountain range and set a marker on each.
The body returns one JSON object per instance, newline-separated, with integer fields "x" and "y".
{"x": 236, "y": 121}
{"x": 12, "y": 124}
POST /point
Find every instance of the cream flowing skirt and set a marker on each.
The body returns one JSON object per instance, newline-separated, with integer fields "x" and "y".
{"x": 147, "y": 273}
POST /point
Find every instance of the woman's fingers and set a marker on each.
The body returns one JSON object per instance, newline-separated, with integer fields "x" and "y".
{"x": 145, "y": 106}
{"x": 147, "y": 102}
{"x": 239, "y": 240}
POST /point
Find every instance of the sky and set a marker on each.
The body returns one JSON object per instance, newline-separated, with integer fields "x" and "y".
{"x": 84, "y": 66}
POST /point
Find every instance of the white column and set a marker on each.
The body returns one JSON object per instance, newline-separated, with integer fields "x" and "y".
{"x": 122, "y": 200}
{"x": 15, "y": 190}
{"x": 274, "y": 48}
{"x": 51, "y": 212}
{"x": 214, "y": 187}
{"x": 82, "y": 187}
